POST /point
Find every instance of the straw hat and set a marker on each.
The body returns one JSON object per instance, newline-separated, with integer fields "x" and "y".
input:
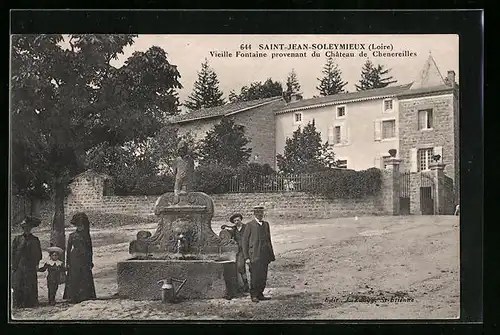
{"x": 55, "y": 249}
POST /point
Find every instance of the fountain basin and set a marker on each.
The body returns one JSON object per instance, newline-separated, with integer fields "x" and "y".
{"x": 206, "y": 278}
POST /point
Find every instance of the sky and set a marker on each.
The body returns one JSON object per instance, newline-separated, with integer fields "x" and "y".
{"x": 189, "y": 51}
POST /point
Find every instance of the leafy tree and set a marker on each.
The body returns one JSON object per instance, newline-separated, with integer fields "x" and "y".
{"x": 373, "y": 77}
{"x": 304, "y": 152}
{"x": 67, "y": 101}
{"x": 258, "y": 90}
{"x": 225, "y": 145}
{"x": 137, "y": 166}
{"x": 331, "y": 83}
{"x": 206, "y": 92}
{"x": 292, "y": 86}
{"x": 233, "y": 97}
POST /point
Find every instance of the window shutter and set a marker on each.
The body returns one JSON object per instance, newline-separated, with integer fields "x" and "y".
{"x": 343, "y": 133}
{"x": 413, "y": 160}
{"x": 347, "y": 134}
{"x": 331, "y": 136}
{"x": 378, "y": 130}
{"x": 438, "y": 151}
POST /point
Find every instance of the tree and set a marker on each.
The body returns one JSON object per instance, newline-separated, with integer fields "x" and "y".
{"x": 304, "y": 152}
{"x": 206, "y": 92}
{"x": 225, "y": 144}
{"x": 331, "y": 83}
{"x": 67, "y": 101}
{"x": 258, "y": 90}
{"x": 137, "y": 167}
{"x": 233, "y": 97}
{"x": 373, "y": 77}
{"x": 292, "y": 86}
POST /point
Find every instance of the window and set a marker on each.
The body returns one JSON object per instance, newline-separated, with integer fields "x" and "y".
{"x": 424, "y": 159}
{"x": 337, "y": 135}
{"x": 388, "y": 105}
{"x": 298, "y": 117}
{"x": 425, "y": 119}
{"x": 340, "y": 111}
{"x": 389, "y": 129}
{"x": 342, "y": 163}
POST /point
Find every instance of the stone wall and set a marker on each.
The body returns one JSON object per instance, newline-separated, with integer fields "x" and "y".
{"x": 259, "y": 125}
{"x": 443, "y": 134}
{"x": 86, "y": 197}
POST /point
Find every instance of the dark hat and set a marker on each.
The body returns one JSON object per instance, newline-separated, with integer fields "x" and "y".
{"x": 234, "y": 216}
{"x": 31, "y": 221}
{"x": 258, "y": 208}
{"x": 80, "y": 218}
{"x": 144, "y": 234}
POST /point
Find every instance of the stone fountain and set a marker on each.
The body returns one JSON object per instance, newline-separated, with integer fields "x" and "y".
{"x": 184, "y": 246}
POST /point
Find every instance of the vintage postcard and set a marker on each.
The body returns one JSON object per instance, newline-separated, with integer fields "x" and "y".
{"x": 234, "y": 177}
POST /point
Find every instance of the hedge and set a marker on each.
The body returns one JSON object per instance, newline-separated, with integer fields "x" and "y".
{"x": 345, "y": 184}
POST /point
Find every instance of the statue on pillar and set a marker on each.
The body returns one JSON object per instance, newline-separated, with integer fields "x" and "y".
{"x": 183, "y": 170}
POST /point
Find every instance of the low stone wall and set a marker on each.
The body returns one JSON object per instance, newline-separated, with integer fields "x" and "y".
{"x": 295, "y": 205}
{"x": 286, "y": 205}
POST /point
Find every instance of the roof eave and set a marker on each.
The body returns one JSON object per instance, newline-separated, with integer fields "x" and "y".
{"x": 429, "y": 92}
{"x": 337, "y": 102}
{"x": 227, "y": 114}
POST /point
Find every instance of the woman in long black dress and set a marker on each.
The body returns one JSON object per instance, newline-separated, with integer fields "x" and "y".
{"x": 79, "y": 281}
{"x": 26, "y": 254}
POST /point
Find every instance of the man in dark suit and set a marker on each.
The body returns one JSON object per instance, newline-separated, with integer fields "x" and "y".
{"x": 258, "y": 253}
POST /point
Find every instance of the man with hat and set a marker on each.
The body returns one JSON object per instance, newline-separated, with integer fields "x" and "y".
{"x": 236, "y": 233}
{"x": 26, "y": 254}
{"x": 258, "y": 253}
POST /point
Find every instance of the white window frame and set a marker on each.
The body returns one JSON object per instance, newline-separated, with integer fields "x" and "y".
{"x": 337, "y": 112}
{"x": 382, "y": 138}
{"x": 429, "y": 154}
{"x": 426, "y": 119}
{"x": 387, "y": 110}
{"x": 295, "y": 117}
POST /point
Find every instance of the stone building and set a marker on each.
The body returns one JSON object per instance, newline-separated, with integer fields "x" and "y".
{"x": 419, "y": 119}
{"x": 429, "y": 123}
{"x": 256, "y": 117}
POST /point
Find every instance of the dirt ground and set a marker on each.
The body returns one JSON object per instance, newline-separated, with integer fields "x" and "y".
{"x": 404, "y": 267}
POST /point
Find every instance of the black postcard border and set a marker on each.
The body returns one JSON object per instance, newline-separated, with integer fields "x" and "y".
{"x": 467, "y": 23}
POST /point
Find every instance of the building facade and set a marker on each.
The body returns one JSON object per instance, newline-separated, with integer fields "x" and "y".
{"x": 256, "y": 117}
{"x": 419, "y": 120}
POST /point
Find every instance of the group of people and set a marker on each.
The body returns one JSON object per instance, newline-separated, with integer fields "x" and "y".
{"x": 76, "y": 273}
{"x": 255, "y": 249}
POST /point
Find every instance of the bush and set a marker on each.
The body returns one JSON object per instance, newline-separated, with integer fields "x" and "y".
{"x": 213, "y": 179}
{"x": 345, "y": 184}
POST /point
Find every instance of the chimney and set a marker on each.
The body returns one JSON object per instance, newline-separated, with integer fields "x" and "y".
{"x": 450, "y": 78}
{"x": 296, "y": 97}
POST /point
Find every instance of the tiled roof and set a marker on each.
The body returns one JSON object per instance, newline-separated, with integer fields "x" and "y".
{"x": 227, "y": 109}
{"x": 423, "y": 90}
{"x": 344, "y": 97}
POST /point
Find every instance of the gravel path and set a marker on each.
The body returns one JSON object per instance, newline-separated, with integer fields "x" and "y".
{"x": 369, "y": 268}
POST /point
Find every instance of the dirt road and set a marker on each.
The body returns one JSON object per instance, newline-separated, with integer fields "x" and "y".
{"x": 369, "y": 268}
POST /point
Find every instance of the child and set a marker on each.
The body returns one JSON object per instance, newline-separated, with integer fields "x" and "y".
{"x": 140, "y": 246}
{"x": 55, "y": 270}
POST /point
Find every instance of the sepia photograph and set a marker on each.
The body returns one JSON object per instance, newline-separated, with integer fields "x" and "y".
{"x": 234, "y": 177}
